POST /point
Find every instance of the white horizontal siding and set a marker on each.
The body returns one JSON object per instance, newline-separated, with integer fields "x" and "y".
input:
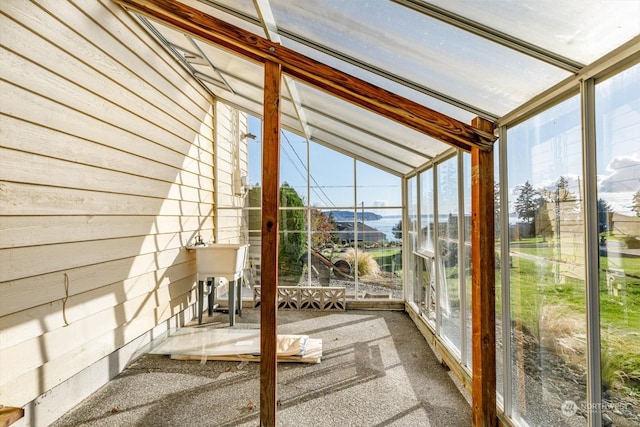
{"x": 83, "y": 302}
{"x": 231, "y": 159}
{"x": 106, "y": 173}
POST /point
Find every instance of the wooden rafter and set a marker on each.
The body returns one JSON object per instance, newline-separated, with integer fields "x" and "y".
{"x": 312, "y": 72}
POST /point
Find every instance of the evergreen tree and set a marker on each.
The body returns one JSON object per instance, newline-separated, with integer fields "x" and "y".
{"x": 528, "y": 202}
{"x": 603, "y": 215}
{"x": 292, "y": 227}
{"x": 397, "y": 230}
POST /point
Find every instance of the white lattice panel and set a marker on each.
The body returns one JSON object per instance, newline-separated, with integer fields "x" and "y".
{"x": 306, "y": 297}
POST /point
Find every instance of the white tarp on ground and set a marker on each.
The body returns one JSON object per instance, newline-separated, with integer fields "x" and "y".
{"x": 235, "y": 344}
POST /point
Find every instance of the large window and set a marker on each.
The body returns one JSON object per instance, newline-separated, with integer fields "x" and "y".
{"x": 448, "y": 240}
{"x": 442, "y": 251}
{"x": 379, "y": 201}
{"x": 618, "y": 207}
{"x": 547, "y": 275}
{"x": 544, "y": 198}
{"x": 427, "y": 244}
{"x": 340, "y": 219}
{"x": 293, "y": 217}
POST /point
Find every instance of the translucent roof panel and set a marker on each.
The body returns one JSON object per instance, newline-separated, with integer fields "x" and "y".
{"x": 289, "y": 114}
{"x": 229, "y": 77}
{"x": 243, "y": 14}
{"x": 460, "y": 58}
{"x": 421, "y": 49}
{"x": 582, "y": 30}
{"x": 401, "y": 89}
{"x": 240, "y": 13}
{"x": 359, "y": 127}
{"x": 368, "y": 124}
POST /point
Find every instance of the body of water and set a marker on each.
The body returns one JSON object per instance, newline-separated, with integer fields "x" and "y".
{"x": 385, "y": 225}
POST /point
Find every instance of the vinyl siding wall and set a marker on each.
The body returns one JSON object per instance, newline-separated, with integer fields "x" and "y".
{"x": 231, "y": 155}
{"x": 106, "y": 173}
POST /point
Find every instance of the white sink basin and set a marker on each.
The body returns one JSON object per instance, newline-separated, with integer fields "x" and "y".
{"x": 221, "y": 260}
{"x": 217, "y": 260}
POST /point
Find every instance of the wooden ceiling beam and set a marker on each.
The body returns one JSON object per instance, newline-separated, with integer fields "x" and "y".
{"x": 352, "y": 89}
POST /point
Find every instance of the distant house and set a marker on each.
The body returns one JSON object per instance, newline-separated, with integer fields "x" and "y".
{"x": 365, "y": 233}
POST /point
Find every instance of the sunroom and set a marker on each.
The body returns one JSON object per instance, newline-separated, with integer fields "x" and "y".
{"x": 474, "y": 164}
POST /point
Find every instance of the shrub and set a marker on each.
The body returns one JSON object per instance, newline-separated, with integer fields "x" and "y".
{"x": 367, "y": 266}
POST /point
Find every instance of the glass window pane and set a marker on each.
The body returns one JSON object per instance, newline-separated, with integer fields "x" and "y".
{"x": 547, "y": 275}
{"x": 329, "y": 247}
{"x": 292, "y": 242}
{"x": 254, "y": 231}
{"x": 382, "y": 251}
{"x": 415, "y": 289}
{"x": 618, "y": 163}
{"x": 364, "y": 134}
{"x": 331, "y": 179}
{"x": 448, "y": 274}
{"x": 585, "y": 34}
{"x": 293, "y": 163}
{"x": 427, "y": 247}
{"x": 254, "y": 159}
{"x": 427, "y": 219}
{"x": 395, "y": 87}
{"x": 377, "y": 188}
{"x": 466, "y": 188}
{"x": 430, "y": 290}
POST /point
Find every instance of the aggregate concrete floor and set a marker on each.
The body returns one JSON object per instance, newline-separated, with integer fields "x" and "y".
{"x": 376, "y": 370}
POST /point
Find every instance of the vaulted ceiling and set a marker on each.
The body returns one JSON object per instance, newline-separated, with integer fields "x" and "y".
{"x": 462, "y": 59}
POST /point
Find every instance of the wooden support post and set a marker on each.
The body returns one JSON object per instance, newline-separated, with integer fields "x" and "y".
{"x": 269, "y": 262}
{"x": 483, "y": 292}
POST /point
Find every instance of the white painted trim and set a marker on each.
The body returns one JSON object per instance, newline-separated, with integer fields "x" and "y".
{"x": 592, "y": 251}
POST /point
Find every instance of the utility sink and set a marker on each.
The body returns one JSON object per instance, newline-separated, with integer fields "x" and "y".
{"x": 221, "y": 260}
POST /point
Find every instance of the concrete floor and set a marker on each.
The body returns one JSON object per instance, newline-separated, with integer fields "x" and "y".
{"x": 376, "y": 370}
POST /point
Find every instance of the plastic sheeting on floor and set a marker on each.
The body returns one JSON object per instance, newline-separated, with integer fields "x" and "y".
{"x": 235, "y": 345}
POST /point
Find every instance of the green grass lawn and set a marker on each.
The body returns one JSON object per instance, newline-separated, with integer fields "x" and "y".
{"x": 537, "y": 301}
{"x": 387, "y": 258}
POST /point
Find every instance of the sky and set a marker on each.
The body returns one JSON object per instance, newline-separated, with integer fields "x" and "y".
{"x": 331, "y": 174}
{"x": 549, "y": 145}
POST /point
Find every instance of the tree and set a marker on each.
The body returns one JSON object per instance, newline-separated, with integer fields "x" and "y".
{"x": 292, "y": 227}
{"x": 563, "y": 183}
{"x": 321, "y": 227}
{"x": 636, "y": 203}
{"x": 603, "y": 215}
{"x": 528, "y": 202}
{"x": 397, "y": 230}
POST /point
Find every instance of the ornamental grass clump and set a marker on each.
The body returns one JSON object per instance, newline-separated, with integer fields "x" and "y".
{"x": 367, "y": 265}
